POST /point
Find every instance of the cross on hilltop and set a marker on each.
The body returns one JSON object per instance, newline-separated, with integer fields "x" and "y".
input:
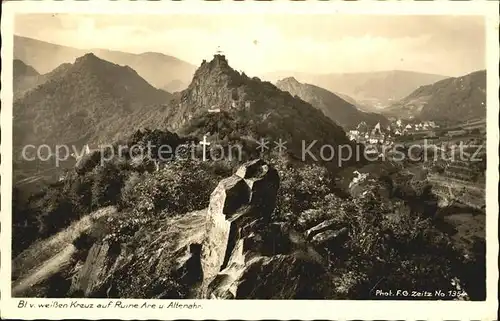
{"x": 219, "y": 51}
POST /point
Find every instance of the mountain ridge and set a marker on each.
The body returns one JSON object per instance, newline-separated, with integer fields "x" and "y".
{"x": 24, "y": 77}
{"x": 266, "y": 110}
{"x": 455, "y": 99}
{"x": 333, "y": 106}
{"x": 93, "y": 101}
{"x": 157, "y": 68}
{"x": 88, "y": 95}
{"x": 376, "y": 88}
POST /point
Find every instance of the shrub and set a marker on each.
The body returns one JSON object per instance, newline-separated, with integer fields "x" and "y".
{"x": 392, "y": 250}
{"x": 60, "y": 204}
{"x": 106, "y": 185}
{"x": 179, "y": 188}
{"x": 301, "y": 188}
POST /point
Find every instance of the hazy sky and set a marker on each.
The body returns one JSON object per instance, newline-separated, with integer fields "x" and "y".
{"x": 448, "y": 45}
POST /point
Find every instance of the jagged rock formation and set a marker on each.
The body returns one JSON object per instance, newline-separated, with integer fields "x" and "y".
{"x": 149, "y": 263}
{"x": 240, "y": 201}
{"x": 243, "y": 247}
{"x": 99, "y": 263}
{"x": 321, "y": 231}
{"x": 334, "y": 107}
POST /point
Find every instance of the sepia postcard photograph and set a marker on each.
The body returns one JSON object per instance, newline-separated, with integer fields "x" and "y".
{"x": 249, "y": 160}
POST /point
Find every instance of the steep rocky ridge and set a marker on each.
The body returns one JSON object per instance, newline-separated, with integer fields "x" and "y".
{"x": 334, "y": 107}
{"x": 376, "y": 88}
{"x": 266, "y": 111}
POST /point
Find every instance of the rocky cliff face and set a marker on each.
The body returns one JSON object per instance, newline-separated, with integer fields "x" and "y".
{"x": 229, "y": 250}
{"x": 214, "y": 86}
{"x": 246, "y": 256}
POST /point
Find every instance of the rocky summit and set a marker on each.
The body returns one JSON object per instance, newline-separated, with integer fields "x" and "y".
{"x": 262, "y": 109}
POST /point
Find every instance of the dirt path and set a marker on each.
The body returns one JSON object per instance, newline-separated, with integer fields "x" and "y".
{"x": 46, "y": 257}
{"x": 47, "y": 269}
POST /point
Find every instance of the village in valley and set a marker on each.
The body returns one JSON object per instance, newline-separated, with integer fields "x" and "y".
{"x": 452, "y": 151}
{"x": 451, "y": 157}
{"x": 399, "y": 130}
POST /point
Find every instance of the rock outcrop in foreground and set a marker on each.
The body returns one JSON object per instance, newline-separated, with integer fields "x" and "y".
{"x": 229, "y": 250}
{"x": 246, "y": 256}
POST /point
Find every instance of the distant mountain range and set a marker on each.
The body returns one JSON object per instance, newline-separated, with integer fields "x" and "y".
{"x": 24, "y": 77}
{"x": 20, "y": 69}
{"x": 452, "y": 99}
{"x": 88, "y": 101}
{"x": 161, "y": 71}
{"x": 376, "y": 89}
{"x": 96, "y": 101}
{"x": 334, "y": 107}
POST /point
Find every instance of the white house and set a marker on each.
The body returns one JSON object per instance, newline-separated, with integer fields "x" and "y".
{"x": 353, "y": 134}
